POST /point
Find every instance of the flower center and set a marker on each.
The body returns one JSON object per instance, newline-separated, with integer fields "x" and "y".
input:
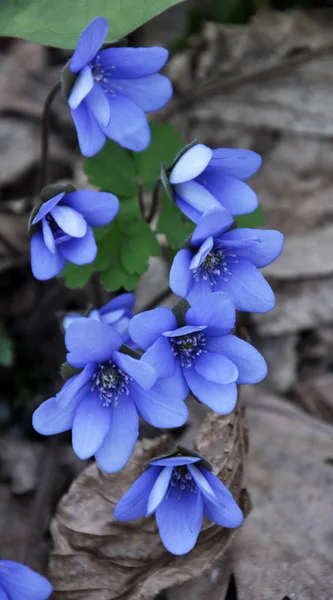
{"x": 110, "y": 383}
{"x": 215, "y": 266}
{"x": 182, "y": 478}
{"x": 58, "y": 233}
{"x": 102, "y": 75}
{"x": 188, "y": 347}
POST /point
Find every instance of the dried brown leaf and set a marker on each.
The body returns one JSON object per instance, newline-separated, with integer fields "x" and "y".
{"x": 99, "y": 558}
{"x": 315, "y": 395}
{"x": 272, "y": 83}
{"x": 285, "y": 546}
{"x": 284, "y": 549}
{"x": 269, "y": 89}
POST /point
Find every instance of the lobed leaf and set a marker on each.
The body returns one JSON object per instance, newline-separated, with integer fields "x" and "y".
{"x": 113, "y": 170}
{"x": 165, "y": 143}
{"x": 252, "y": 220}
{"x": 173, "y": 223}
{"x": 137, "y": 246}
{"x": 76, "y": 276}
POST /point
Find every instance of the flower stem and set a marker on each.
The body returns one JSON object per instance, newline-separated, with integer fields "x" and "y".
{"x": 154, "y": 201}
{"x": 140, "y": 201}
{"x": 42, "y": 172}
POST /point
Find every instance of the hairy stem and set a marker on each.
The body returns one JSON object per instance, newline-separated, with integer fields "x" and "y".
{"x": 154, "y": 201}
{"x": 44, "y": 149}
{"x": 140, "y": 202}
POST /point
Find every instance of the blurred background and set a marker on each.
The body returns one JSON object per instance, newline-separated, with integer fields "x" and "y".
{"x": 247, "y": 73}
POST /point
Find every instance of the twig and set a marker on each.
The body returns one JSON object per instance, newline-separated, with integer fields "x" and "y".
{"x": 42, "y": 173}
{"x": 154, "y": 201}
{"x": 222, "y": 86}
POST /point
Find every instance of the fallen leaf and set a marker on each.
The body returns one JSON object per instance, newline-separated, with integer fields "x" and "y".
{"x": 268, "y": 86}
{"x": 265, "y": 86}
{"x": 282, "y": 360}
{"x": 315, "y": 395}
{"x": 304, "y": 256}
{"x": 285, "y": 547}
{"x": 98, "y": 558}
{"x": 300, "y": 305}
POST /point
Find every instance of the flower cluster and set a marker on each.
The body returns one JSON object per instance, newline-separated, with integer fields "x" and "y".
{"x": 123, "y": 366}
{"x": 103, "y": 402}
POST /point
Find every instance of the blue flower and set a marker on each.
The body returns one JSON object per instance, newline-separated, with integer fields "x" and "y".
{"x": 117, "y": 313}
{"x": 204, "y": 179}
{"x": 102, "y": 403}
{"x": 114, "y": 89}
{"x": 202, "y": 356}
{"x": 226, "y": 261}
{"x": 63, "y": 231}
{"x": 18, "y": 582}
{"x": 180, "y": 493}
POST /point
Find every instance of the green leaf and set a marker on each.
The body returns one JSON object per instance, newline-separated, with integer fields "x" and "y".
{"x": 123, "y": 252}
{"x": 254, "y": 219}
{"x": 113, "y": 170}
{"x": 128, "y": 213}
{"x": 116, "y": 277}
{"x": 76, "y": 277}
{"x": 60, "y": 22}
{"x": 173, "y": 223}
{"x": 6, "y": 348}
{"x": 137, "y": 246}
{"x": 108, "y": 248}
{"x": 129, "y": 241}
{"x": 165, "y": 142}
{"x": 100, "y": 232}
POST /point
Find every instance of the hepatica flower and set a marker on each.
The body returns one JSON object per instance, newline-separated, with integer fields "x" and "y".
{"x": 204, "y": 179}
{"x": 114, "y": 89}
{"x": 62, "y": 230}
{"x": 226, "y": 261}
{"x": 102, "y": 403}
{"x": 18, "y": 582}
{"x": 117, "y": 313}
{"x": 180, "y": 491}
{"x": 202, "y": 356}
